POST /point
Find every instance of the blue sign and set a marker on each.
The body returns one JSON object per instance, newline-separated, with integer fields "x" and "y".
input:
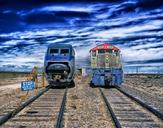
{"x": 27, "y": 85}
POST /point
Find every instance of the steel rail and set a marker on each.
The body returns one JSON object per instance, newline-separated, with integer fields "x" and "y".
{"x": 149, "y": 108}
{"x": 115, "y": 120}
{"x": 11, "y": 114}
{"x": 61, "y": 111}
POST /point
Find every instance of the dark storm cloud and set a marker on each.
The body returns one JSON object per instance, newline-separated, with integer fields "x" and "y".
{"x": 139, "y": 37}
{"x": 124, "y": 24}
{"x": 150, "y": 4}
{"x": 3, "y": 39}
{"x": 10, "y": 21}
{"x": 72, "y": 14}
{"x": 43, "y": 18}
{"x": 51, "y": 17}
{"x": 153, "y": 30}
{"x": 36, "y": 2}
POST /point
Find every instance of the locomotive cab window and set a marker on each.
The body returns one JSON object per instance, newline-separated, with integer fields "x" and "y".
{"x": 54, "y": 51}
{"x": 101, "y": 51}
{"x": 93, "y": 53}
{"x": 109, "y": 51}
{"x": 64, "y": 52}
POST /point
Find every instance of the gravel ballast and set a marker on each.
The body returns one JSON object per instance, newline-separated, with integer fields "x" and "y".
{"x": 85, "y": 108}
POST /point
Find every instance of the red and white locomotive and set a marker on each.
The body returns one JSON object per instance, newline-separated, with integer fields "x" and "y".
{"x": 106, "y": 65}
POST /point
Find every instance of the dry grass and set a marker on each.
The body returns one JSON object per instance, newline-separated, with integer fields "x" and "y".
{"x": 152, "y": 83}
{"x": 7, "y": 78}
{"x": 12, "y": 74}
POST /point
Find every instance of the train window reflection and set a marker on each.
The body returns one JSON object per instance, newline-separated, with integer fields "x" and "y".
{"x": 64, "y": 52}
{"x": 54, "y": 51}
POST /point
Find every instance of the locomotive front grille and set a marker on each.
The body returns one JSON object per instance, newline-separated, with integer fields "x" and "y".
{"x": 55, "y": 71}
{"x": 63, "y": 66}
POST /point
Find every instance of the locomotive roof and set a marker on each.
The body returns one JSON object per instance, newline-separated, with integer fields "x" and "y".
{"x": 60, "y": 45}
{"x": 105, "y": 46}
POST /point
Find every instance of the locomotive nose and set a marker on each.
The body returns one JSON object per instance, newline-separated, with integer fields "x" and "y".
{"x": 57, "y": 67}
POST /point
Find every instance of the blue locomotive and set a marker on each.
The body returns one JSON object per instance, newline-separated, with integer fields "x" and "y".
{"x": 59, "y": 64}
{"x": 106, "y": 66}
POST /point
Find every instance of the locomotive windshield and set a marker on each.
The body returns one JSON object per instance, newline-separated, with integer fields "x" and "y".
{"x": 101, "y": 51}
{"x": 64, "y": 52}
{"x": 106, "y": 51}
{"x": 109, "y": 51}
{"x": 54, "y": 51}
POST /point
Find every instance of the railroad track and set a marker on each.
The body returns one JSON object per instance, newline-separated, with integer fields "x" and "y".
{"x": 45, "y": 110}
{"x": 126, "y": 112}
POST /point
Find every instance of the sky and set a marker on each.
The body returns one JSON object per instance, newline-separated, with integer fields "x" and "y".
{"x": 134, "y": 26}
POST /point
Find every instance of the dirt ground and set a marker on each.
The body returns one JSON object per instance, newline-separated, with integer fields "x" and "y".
{"x": 151, "y": 84}
{"x": 84, "y": 103}
{"x": 10, "y": 92}
{"x": 10, "y": 85}
{"x": 9, "y": 89}
{"x": 8, "y": 78}
{"x": 85, "y": 109}
{"x": 84, "y": 106}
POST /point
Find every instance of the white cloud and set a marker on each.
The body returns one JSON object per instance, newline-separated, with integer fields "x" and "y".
{"x": 147, "y": 46}
{"x": 128, "y": 31}
{"x": 77, "y": 8}
{"x": 146, "y": 65}
{"x": 130, "y": 54}
{"x": 83, "y": 52}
